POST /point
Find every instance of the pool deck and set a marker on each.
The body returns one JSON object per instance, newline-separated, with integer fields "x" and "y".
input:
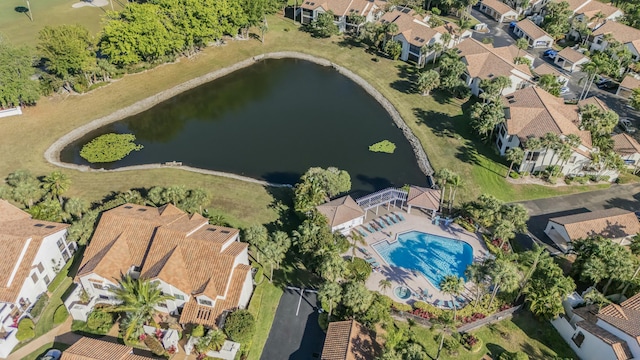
{"x": 414, "y": 280}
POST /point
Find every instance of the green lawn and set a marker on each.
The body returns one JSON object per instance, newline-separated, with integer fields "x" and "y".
{"x": 16, "y": 27}
{"x": 520, "y": 333}
{"x": 264, "y": 303}
{"x": 45, "y": 323}
{"x": 43, "y": 350}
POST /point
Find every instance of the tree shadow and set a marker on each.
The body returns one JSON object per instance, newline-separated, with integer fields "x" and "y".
{"x": 22, "y": 10}
{"x": 543, "y": 332}
{"x": 495, "y": 350}
{"x": 627, "y": 204}
{"x": 407, "y": 74}
{"x": 349, "y": 42}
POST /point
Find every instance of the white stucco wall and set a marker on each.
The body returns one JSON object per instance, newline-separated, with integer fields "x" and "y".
{"x": 345, "y": 228}
{"x": 247, "y": 290}
{"x": 592, "y": 347}
{"x": 176, "y": 303}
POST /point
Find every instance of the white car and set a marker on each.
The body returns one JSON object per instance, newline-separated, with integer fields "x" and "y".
{"x": 564, "y": 90}
{"x": 627, "y": 125}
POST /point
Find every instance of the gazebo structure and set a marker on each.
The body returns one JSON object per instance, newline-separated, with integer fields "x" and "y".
{"x": 343, "y": 214}
{"x": 423, "y": 198}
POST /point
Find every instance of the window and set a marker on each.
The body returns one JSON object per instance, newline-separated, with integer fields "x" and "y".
{"x": 46, "y": 279}
{"x": 60, "y": 244}
{"x": 40, "y": 268}
{"x": 97, "y": 286}
{"x": 162, "y": 305}
{"x": 599, "y": 41}
{"x": 572, "y": 160}
{"x": 499, "y": 143}
{"x": 205, "y": 302}
{"x": 34, "y": 277}
{"x": 178, "y": 297}
{"x": 535, "y": 156}
{"x": 578, "y": 338}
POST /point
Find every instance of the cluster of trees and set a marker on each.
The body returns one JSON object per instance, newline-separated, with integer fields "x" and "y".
{"x": 501, "y": 219}
{"x": 451, "y": 68}
{"x": 449, "y": 182}
{"x": 600, "y": 124}
{"x": 317, "y": 185}
{"x": 612, "y": 62}
{"x": 138, "y": 36}
{"x": 556, "y": 19}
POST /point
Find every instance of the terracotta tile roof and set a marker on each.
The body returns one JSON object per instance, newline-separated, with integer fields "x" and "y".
{"x": 341, "y": 7}
{"x": 619, "y": 346}
{"x": 594, "y": 7}
{"x": 621, "y": 32}
{"x": 423, "y": 197}
{"x": 348, "y": 340}
{"x": 625, "y": 316}
{"x": 534, "y": 112}
{"x": 611, "y": 223}
{"x": 571, "y": 55}
{"x": 483, "y": 61}
{"x": 194, "y": 313}
{"x": 500, "y": 7}
{"x": 630, "y": 82}
{"x": 20, "y": 238}
{"x": 93, "y": 349}
{"x": 414, "y": 30}
{"x": 546, "y": 69}
{"x": 574, "y": 4}
{"x": 531, "y": 29}
{"x": 594, "y": 101}
{"x": 341, "y": 210}
{"x": 168, "y": 244}
{"x": 624, "y": 144}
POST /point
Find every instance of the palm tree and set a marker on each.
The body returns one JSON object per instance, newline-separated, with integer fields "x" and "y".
{"x": 436, "y": 48}
{"x": 391, "y": 29}
{"x": 598, "y": 17}
{"x": 427, "y": 81}
{"x": 550, "y": 141}
{"x": 27, "y": 192}
{"x": 515, "y": 156}
{"x": 446, "y": 40}
{"x": 591, "y": 68}
{"x": 257, "y": 236}
{"x": 138, "y": 298}
{"x": 455, "y": 181}
{"x": 174, "y": 194}
{"x": 357, "y": 240}
{"x": 330, "y": 293}
{"x": 477, "y": 272}
{"x": 384, "y": 284}
{"x": 276, "y": 249}
{"x": 200, "y": 197}
{"x": 504, "y": 276}
{"x": 131, "y": 197}
{"x": 531, "y": 145}
{"x": 531, "y": 258}
{"x": 424, "y": 51}
{"x": 502, "y": 82}
{"x": 213, "y": 340}
{"x": 56, "y": 184}
{"x": 442, "y": 176}
{"x": 357, "y": 297}
{"x": 332, "y": 267}
{"x": 504, "y": 231}
{"x": 76, "y": 207}
{"x": 454, "y": 286}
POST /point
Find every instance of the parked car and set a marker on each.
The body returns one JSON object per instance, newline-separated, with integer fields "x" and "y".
{"x": 564, "y": 90}
{"x": 626, "y": 125}
{"x": 52, "y": 354}
{"x": 512, "y": 24}
{"x": 607, "y": 85}
{"x": 601, "y": 80}
{"x": 550, "y": 53}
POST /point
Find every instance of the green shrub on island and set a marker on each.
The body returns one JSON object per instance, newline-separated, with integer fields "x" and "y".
{"x": 384, "y": 146}
{"x": 109, "y": 147}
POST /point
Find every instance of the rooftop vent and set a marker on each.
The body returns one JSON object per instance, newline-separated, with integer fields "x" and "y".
{"x": 405, "y": 10}
{"x": 128, "y": 207}
{"x": 50, "y": 226}
{"x": 38, "y": 225}
{"x": 224, "y": 231}
{"x": 143, "y": 210}
{"x": 211, "y": 229}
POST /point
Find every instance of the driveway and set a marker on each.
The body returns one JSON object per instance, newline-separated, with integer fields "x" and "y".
{"x": 295, "y": 333}
{"x": 500, "y": 33}
{"x": 540, "y": 211}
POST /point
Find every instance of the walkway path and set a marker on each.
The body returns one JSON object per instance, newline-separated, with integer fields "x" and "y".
{"x": 61, "y": 333}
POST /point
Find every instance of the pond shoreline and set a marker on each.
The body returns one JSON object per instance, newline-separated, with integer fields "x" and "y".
{"x": 52, "y": 154}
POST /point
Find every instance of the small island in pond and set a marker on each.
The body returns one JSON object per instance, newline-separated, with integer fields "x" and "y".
{"x": 384, "y": 146}
{"x": 109, "y": 148}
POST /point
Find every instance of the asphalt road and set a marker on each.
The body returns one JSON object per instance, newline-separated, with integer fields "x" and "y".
{"x": 499, "y": 32}
{"x": 295, "y": 333}
{"x": 540, "y": 211}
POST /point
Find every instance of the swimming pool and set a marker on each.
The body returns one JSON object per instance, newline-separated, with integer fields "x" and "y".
{"x": 434, "y": 256}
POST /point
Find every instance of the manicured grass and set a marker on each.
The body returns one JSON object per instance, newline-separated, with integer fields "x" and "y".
{"x": 520, "y": 333}
{"x": 45, "y": 323}
{"x": 18, "y": 29}
{"x": 43, "y": 350}
{"x": 438, "y": 122}
{"x": 264, "y": 303}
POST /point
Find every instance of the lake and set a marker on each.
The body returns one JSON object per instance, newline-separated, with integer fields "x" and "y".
{"x": 270, "y": 121}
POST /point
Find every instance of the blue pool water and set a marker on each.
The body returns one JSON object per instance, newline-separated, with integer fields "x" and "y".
{"x": 434, "y": 256}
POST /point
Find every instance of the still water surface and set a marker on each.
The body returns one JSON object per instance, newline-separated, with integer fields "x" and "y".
{"x": 270, "y": 121}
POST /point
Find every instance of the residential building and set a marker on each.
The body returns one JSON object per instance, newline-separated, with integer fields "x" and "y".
{"x": 343, "y": 214}
{"x": 622, "y": 33}
{"x": 628, "y": 149}
{"x": 34, "y": 252}
{"x": 612, "y": 332}
{"x": 498, "y": 10}
{"x": 569, "y": 59}
{"x": 93, "y": 349}
{"x": 349, "y": 340}
{"x": 204, "y": 267}
{"x": 531, "y": 113}
{"x": 342, "y": 10}
{"x": 416, "y": 35}
{"x": 534, "y": 7}
{"x": 546, "y": 69}
{"x": 594, "y": 13}
{"x": 487, "y": 62}
{"x": 592, "y": 100}
{"x": 628, "y": 84}
{"x": 616, "y": 224}
{"x": 535, "y": 36}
